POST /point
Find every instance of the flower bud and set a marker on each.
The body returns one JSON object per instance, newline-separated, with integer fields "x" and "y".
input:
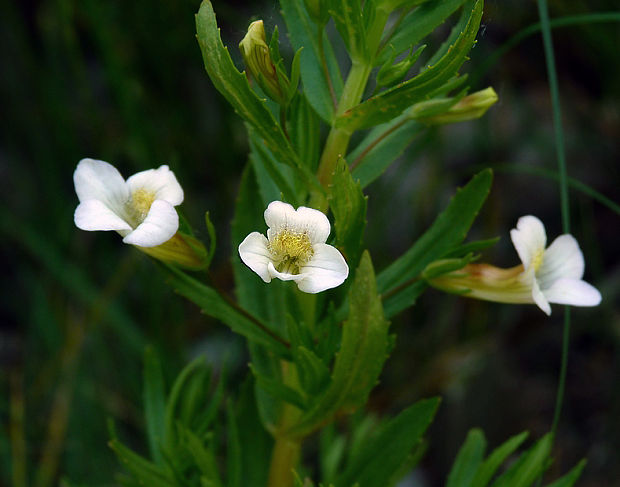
{"x": 446, "y": 110}
{"x": 182, "y": 250}
{"x": 257, "y": 57}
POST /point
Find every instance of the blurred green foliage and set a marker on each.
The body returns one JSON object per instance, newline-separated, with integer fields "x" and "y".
{"x": 124, "y": 82}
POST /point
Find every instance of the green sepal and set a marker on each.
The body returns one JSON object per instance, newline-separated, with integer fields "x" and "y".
{"x": 471, "y": 247}
{"x": 348, "y": 205}
{"x": 445, "y": 266}
{"x": 382, "y": 455}
{"x": 391, "y": 103}
{"x": 467, "y": 460}
{"x": 359, "y": 362}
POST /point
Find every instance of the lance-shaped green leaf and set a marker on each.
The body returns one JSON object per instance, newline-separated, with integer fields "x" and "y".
{"x": 496, "y": 458}
{"x": 154, "y": 397}
{"x": 313, "y": 373}
{"x": 277, "y": 389}
{"x": 528, "y": 467}
{"x": 348, "y": 204}
{"x": 381, "y": 147}
{"x": 145, "y": 472}
{"x": 304, "y": 129}
{"x": 391, "y": 103}
{"x": 571, "y": 477}
{"x": 234, "y": 86}
{"x": 347, "y": 15}
{"x": 320, "y": 90}
{"x": 383, "y": 455}
{"x": 467, "y": 460}
{"x": 448, "y": 230}
{"x": 214, "y": 305}
{"x": 416, "y": 25}
{"x": 363, "y": 351}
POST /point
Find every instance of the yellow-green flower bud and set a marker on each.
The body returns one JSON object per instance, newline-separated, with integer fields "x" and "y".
{"x": 182, "y": 250}
{"x": 257, "y": 58}
{"x": 467, "y": 108}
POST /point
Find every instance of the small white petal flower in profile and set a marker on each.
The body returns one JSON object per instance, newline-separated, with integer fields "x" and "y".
{"x": 295, "y": 249}
{"x": 141, "y": 209}
{"x": 546, "y": 275}
{"x": 555, "y": 272}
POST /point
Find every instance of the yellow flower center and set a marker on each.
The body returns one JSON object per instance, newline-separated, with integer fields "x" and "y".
{"x": 290, "y": 250}
{"x": 140, "y": 204}
{"x": 538, "y": 260}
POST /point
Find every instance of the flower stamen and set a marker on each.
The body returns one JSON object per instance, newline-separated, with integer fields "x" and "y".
{"x": 140, "y": 203}
{"x": 291, "y": 251}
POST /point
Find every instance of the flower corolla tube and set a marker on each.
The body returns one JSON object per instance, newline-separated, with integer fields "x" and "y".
{"x": 295, "y": 249}
{"x": 141, "y": 209}
{"x": 546, "y": 274}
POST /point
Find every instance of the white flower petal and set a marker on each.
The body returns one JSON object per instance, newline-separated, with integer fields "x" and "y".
{"x": 284, "y": 276}
{"x": 327, "y": 269}
{"x": 159, "y": 226}
{"x": 573, "y": 291}
{"x": 540, "y": 299}
{"x": 95, "y": 215}
{"x": 563, "y": 259}
{"x": 529, "y": 238}
{"x": 278, "y": 214}
{"x": 314, "y": 223}
{"x": 255, "y": 254}
{"x": 161, "y": 181}
{"x": 98, "y": 180}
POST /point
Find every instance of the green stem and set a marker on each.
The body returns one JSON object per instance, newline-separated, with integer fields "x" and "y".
{"x": 286, "y": 450}
{"x": 559, "y": 143}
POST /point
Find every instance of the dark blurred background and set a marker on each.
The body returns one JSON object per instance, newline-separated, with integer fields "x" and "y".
{"x": 124, "y": 82}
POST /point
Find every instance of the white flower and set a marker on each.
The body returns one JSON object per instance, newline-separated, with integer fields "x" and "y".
{"x": 546, "y": 275}
{"x": 141, "y": 209}
{"x": 554, "y": 273}
{"x": 295, "y": 249}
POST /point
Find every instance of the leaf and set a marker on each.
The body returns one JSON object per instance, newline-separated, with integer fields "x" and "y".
{"x": 496, "y": 458}
{"x": 448, "y": 230}
{"x": 203, "y": 457}
{"x": 304, "y": 129}
{"x": 391, "y": 103}
{"x": 381, "y": 456}
{"x": 347, "y": 15}
{"x": 212, "y": 238}
{"x": 234, "y": 86}
{"x": 304, "y": 33}
{"x": 233, "y": 453}
{"x": 363, "y": 351}
{"x": 313, "y": 373}
{"x": 571, "y": 477}
{"x": 214, "y": 305}
{"x": 278, "y": 390}
{"x": 144, "y": 471}
{"x": 528, "y": 467}
{"x": 154, "y": 397}
{"x": 467, "y": 460}
{"x": 381, "y": 147}
{"x": 275, "y": 178}
{"x": 348, "y": 204}
{"x": 416, "y": 25}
